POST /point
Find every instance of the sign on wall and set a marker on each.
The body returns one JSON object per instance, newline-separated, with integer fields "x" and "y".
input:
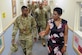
{"x": 14, "y": 8}
{"x": 1, "y": 44}
{"x": 77, "y": 43}
{"x": 3, "y": 15}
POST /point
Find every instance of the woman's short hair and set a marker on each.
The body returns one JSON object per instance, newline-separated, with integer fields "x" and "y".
{"x": 58, "y": 10}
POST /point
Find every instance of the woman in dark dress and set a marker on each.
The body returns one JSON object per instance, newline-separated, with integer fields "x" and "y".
{"x": 58, "y": 28}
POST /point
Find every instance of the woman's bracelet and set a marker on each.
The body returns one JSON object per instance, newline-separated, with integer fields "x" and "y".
{"x": 65, "y": 45}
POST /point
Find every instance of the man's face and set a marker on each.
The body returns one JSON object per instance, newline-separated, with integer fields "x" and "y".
{"x": 40, "y": 5}
{"x": 45, "y": 3}
{"x": 25, "y": 12}
{"x": 32, "y": 3}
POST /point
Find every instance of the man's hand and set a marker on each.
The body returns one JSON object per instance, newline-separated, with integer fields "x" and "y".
{"x": 35, "y": 39}
{"x": 13, "y": 41}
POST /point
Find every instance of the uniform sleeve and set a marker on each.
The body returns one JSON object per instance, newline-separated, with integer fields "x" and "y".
{"x": 35, "y": 15}
{"x": 46, "y": 16}
{"x": 50, "y": 11}
{"x": 34, "y": 28}
{"x": 15, "y": 29}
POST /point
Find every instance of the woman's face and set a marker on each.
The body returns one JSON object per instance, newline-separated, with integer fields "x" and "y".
{"x": 55, "y": 15}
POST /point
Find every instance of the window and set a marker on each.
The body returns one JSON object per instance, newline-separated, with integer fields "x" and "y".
{"x": 81, "y": 16}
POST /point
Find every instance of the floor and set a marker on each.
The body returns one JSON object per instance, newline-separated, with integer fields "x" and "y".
{"x": 38, "y": 49}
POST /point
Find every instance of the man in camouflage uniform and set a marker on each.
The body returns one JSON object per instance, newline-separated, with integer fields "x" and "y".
{"x": 29, "y": 6}
{"x": 37, "y": 4}
{"x": 25, "y": 24}
{"x": 47, "y": 7}
{"x": 41, "y": 19}
{"x": 33, "y": 7}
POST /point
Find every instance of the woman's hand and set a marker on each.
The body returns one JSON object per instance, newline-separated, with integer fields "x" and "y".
{"x": 63, "y": 49}
{"x": 42, "y": 33}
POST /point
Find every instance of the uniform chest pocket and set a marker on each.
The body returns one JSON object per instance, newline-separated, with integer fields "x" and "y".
{"x": 28, "y": 24}
{"x": 25, "y": 24}
{"x": 42, "y": 12}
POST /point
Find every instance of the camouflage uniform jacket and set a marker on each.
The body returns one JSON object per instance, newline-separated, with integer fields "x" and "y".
{"x": 41, "y": 16}
{"x": 25, "y": 26}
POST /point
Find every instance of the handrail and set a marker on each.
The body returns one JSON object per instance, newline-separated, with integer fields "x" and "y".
{"x": 75, "y": 49}
{"x": 4, "y": 29}
{"x": 2, "y": 37}
{"x": 71, "y": 28}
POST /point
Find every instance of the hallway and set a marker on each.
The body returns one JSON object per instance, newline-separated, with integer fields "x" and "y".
{"x": 72, "y": 12}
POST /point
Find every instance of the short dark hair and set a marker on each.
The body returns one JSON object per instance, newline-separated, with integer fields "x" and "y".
{"x": 28, "y": 1}
{"x": 22, "y": 8}
{"x": 58, "y": 10}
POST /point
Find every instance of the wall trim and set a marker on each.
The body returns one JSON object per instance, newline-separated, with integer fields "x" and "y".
{"x": 71, "y": 28}
{"x": 3, "y": 43}
{"x": 76, "y": 50}
{"x": 4, "y": 29}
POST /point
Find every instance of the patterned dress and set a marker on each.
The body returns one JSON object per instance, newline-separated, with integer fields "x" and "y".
{"x": 56, "y": 37}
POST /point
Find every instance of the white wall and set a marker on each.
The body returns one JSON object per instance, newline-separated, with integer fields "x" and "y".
{"x": 22, "y": 2}
{"x": 68, "y": 7}
{"x": 18, "y": 7}
{"x": 52, "y": 4}
{"x": 25, "y": 2}
{"x": 77, "y": 15}
{"x": 7, "y": 8}
{"x": 70, "y": 11}
{"x": 19, "y": 4}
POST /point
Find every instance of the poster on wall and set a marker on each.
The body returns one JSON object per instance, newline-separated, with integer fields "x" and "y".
{"x": 14, "y": 8}
{"x": 78, "y": 43}
{"x": 1, "y": 44}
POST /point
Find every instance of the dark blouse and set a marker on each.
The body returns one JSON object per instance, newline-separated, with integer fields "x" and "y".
{"x": 56, "y": 37}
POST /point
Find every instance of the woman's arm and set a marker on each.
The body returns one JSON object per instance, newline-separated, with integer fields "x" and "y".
{"x": 66, "y": 35}
{"x": 65, "y": 39}
{"x": 47, "y": 29}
